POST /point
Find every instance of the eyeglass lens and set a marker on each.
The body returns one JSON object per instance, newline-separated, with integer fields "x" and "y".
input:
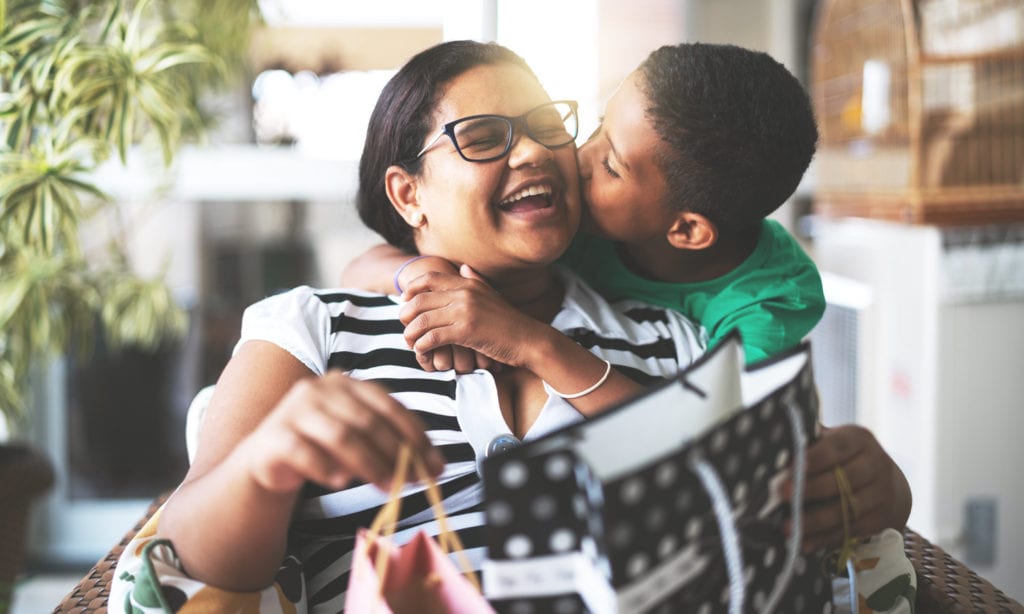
{"x": 487, "y": 137}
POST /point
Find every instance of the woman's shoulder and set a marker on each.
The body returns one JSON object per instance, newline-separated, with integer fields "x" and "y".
{"x": 307, "y": 321}
{"x": 307, "y": 300}
{"x": 629, "y": 318}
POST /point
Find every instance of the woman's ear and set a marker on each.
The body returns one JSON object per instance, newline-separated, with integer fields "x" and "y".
{"x": 692, "y": 231}
{"x": 400, "y": 186}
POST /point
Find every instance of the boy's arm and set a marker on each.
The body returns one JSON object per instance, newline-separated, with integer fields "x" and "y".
{"x": 771, "y": 326}
{"x": 375, "y": 269}
{"x": 382, "y": 267}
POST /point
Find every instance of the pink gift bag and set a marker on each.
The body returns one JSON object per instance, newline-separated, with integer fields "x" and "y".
{"x": 417, "y": 577}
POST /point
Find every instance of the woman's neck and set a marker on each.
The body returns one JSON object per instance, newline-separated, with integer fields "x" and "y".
{"x": 537, "y": 293}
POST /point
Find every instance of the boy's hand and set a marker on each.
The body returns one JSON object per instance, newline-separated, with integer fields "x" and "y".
{"x": 463, "y": 310}
{"x": 881, "y": 496}
{"x": 460, "y": 358}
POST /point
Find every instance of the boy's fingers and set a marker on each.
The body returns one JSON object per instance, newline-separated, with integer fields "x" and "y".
{"x": 832, "y": 536}
{"x": 464, "y": 359}
{"x": 443, "y": 359}
{"x": 860, "y": 471}
{"x": 432, "y": 281}
{"x": 482, "y": 361}
{"x": 469, "y": 273}
{"x": 832, "y": 450}
{"x": 421, "y": 304}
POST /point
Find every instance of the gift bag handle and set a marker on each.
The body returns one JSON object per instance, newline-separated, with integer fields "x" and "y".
{"x": 387, "y": 518}
{"x": 731, "y": 549}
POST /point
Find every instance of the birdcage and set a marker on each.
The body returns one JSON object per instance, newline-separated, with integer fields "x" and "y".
{"x": 920, "y": 104}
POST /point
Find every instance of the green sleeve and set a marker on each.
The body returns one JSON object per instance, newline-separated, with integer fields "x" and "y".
{"x": 769, "y": 328}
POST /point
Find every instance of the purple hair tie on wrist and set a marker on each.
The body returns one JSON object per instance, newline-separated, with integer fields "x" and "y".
{"x": 398, "y": 288}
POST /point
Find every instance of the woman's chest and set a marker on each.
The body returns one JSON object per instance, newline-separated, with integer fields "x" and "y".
{"x": 521, "y": 399}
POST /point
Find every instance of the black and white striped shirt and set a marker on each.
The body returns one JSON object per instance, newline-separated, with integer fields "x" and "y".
{"x": 360, "y": 333}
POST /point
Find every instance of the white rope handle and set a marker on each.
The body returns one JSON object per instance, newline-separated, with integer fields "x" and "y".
{"x": 851, "y": 570}
{"x": 796, "y": 505}
{"x": 727, "y": 530}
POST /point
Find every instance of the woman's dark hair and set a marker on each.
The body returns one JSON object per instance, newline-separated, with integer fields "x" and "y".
{"x": 738, "y": 126}
{"x": 401, "y": 119}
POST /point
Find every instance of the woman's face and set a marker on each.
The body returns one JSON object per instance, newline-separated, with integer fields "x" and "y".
{"x": 623, "y": 188}
{"x": 483, "y": 213}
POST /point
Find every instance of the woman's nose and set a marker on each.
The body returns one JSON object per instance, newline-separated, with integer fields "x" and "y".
{"x": 526, "y": 151}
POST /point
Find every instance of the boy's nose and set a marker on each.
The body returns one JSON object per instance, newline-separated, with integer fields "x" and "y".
{"x": 583, "y": 161}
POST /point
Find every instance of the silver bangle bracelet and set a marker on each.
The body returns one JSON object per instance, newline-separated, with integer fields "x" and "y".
{"x": 604, "y": 378}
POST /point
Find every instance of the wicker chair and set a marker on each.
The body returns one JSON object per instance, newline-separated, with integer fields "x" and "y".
{"x": 24, "y": 474}
{"x": 943, "y": 583}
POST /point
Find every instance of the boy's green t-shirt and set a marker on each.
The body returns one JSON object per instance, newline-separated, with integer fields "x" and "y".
{"x": 774, "y": 297}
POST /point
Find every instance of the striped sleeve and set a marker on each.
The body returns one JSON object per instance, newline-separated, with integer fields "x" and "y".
{"x": 297, "y": 321}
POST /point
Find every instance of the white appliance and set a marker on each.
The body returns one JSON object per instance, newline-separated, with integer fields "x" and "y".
{"x": 923, "y": 342}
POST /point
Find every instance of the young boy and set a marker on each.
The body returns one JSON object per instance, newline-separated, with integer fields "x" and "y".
{"x": 696, "y": 148}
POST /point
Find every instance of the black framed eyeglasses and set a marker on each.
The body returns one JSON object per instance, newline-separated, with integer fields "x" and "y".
{"x": 483, "y": 138}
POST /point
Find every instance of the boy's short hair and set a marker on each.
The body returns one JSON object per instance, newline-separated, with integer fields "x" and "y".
{"x": 738, "y": 126}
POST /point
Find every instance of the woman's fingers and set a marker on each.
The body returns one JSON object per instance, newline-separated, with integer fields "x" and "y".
{"x": 361, "y": 442}
{"x": 410, "y": 429}
{"x": 333, "y": 429}
{"x": 285, "y": 460}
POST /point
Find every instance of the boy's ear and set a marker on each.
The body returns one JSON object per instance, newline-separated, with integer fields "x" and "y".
{"x": 692, "y": 231}
{"x": 400, "y": 186}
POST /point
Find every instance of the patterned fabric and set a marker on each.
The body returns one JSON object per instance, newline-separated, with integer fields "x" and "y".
{"x": 360, "y": 333}
{"x": 150, "y": 580}
{"x": 885, "y": 580}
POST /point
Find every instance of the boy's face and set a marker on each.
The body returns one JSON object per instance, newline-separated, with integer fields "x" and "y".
{"x": 622, "y": 185}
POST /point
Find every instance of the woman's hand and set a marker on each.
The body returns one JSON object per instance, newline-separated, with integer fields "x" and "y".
{"x": 458, "y": 357}
{"x": 881, "y": 495}
{"x": 448, "y": 310}
{"x": 330, "y": 430}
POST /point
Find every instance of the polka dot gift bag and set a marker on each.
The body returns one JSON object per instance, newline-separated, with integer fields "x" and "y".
{"x": 667, "y": 503}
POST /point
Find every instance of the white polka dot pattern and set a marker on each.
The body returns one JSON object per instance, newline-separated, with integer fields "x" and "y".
{"x": 653, "y": 530}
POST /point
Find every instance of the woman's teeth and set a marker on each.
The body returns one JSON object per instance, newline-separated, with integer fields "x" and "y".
{"x": 534, "y": 190}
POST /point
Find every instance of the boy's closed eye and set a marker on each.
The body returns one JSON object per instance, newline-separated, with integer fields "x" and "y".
{"x": 608, "y": 168}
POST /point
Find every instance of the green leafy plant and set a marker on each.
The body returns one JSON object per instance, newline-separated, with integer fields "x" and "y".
{"x": 83, "y": 81}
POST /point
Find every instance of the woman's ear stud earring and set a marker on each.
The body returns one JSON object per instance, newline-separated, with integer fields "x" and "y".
{"x": 416, "y": 219}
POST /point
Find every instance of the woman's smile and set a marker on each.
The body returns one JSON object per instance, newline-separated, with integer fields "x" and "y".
{"x": 532, "y": 202}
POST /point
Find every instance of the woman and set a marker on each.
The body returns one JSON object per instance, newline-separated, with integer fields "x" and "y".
{"x": 466, "y": 157}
